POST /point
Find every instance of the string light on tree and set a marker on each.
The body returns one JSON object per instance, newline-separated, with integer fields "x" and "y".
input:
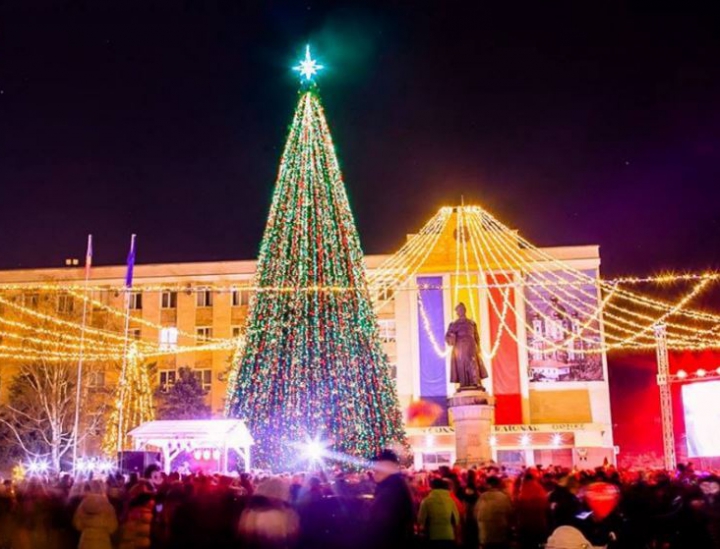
{"x": 313, "y": 364}
{"x": 133, "y": 402}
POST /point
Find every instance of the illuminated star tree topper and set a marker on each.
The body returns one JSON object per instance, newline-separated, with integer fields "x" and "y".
{"x": 308, "y": 67}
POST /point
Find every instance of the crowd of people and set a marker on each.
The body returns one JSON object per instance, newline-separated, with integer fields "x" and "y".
{"x": 383, "y": 508}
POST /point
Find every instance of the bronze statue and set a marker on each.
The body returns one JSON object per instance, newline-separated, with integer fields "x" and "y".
{"x": 466, "y": 366}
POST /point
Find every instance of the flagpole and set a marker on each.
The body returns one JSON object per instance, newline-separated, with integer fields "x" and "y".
{"x": 78, "y": 383}
{"x": 123, "y": 371}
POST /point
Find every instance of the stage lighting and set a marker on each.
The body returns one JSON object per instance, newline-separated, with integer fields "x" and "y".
{"x": 681, "y": 374}
{"x": 557, "y": 439}
{"x": 39, "y": 466}
{"x": 493, "y": 440}
{"x": 313, "y": 451}
{"x": 525, "y": 440}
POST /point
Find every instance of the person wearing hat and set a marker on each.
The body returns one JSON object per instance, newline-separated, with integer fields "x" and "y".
{"x": 392, "y": 521}
{"x": 569, "y": 537}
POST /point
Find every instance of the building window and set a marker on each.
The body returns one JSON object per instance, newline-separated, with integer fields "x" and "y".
{"x": 387, "y": 330}
{"x": 167, "y": 379}
{"x": 96, "y": 378}
{"x": 435, "y": 460}
{"x": 236, "y": 331}
{"x": 240, "y": 297}
{"x": 135, "y": 301}
{"x": 203, "y": 333}
{"x": 32, "y": 300}
{"x": 385, "y": 294}
{"x": 168, "y": 338}
{"x": 204, "y": 297}
{"x": 65, "y": 304}
{"x": 168, "y": 300}
{"x": 204, "y": 377}
{"x": 134, "y": 333}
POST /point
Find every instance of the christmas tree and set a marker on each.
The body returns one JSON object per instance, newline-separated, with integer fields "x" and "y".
{"x": 185, "y": 399}
{"x": 312, "y": 367}
{"x": 133, "y": 404}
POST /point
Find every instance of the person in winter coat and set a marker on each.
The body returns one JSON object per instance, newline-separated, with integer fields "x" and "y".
{"x": 493, "y": 512}
{"x": 439, "y": 518}
{"x": 268, "y": 521}
{"x": 564, "y": 503}
{"x": 136, "y": 531}
{"x": 95, "y": 519}
{"x": 533, "y": 509}
{"x": 392, "y": 517}
{"x": 568, "y": 537}
{"x": 469, "y": 498}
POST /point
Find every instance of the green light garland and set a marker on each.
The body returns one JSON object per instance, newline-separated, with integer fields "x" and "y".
{"x": 313, "y": 366}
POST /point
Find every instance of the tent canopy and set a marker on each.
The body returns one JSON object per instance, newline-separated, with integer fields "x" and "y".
{"x": 176, "y": 436}
{"x": 198, "y": 432}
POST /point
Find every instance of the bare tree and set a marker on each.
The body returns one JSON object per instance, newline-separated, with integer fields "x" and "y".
{"x": 39, "y": 412}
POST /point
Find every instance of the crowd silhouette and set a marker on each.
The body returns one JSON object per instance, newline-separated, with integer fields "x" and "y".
{"x": 384, "y": 507}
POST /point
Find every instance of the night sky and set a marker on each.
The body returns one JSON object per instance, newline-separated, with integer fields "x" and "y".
{"x": 574, "y": 122}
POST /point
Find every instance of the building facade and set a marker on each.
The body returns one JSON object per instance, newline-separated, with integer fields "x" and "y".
{"x": 551, "y": 390}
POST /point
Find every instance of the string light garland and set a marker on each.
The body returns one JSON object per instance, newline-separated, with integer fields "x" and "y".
{"x": 606, "y": 306}
{"x": 374, "y": 277}
{"x": 400, "y": 268}
{"x": 57, "y": 320}
{"x": 547, "y": 274}
{"x": 52, "y": 336}
{"x": 625, "y": 315}
{"x": 136, "y": 320}
{"x": 554, "y": 304}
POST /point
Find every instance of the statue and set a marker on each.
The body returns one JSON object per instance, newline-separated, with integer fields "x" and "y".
{"x": 466, "y": 366}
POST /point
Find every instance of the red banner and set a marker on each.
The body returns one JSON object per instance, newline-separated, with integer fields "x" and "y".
{"x": 506, "y": 363}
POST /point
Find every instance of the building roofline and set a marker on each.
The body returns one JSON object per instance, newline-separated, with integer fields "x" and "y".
{"x": 241, "y": 268}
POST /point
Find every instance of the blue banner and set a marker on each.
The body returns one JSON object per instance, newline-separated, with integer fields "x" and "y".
{"x": 433, "y": 371}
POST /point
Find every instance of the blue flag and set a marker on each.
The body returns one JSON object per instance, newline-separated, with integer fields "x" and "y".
{"x": 130, "y": 263}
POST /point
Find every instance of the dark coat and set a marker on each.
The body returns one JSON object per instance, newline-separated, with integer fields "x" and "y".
{"x": 392, "y": 518}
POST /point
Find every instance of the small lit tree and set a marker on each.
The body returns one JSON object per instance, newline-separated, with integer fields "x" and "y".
{"x": 133, "y": 404}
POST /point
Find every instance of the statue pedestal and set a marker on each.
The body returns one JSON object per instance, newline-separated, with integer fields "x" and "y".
{"x": 473, "y": 416}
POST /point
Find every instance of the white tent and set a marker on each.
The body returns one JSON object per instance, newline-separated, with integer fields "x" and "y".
{"x": 172, "y": 437}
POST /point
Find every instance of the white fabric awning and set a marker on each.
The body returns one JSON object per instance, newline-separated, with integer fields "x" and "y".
{"x": 197, "y": 432}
